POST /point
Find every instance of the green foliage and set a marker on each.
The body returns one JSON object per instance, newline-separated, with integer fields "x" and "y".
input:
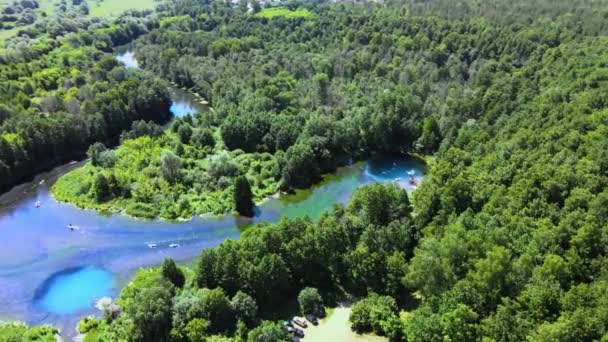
{"x": 379, "y": 205}
{"x": 171, "y": 272}
{"x": 18, "y": 332}
{"x": 61, "y": 96}
{"x": 372, "y": 314}
{"x": 268, "y": 332}
{"x": 243, "y": 198}
{"x": 151, "y": 314}
{"x": 245, "y": 308}
{"x": 310, "y": 300}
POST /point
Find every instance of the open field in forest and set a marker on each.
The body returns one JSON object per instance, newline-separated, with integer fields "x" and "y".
{"x": 270, "y": 13}
{"x": 336, "y": 328}
{"x": 107, "y": 8}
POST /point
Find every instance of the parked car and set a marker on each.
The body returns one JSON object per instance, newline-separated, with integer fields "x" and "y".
{"x": 295, "y": 339}
{"x": 321, "y": 312}
{"x": 312, "y": 319}
{"x": 297, "y": 332}
{"x": 300, "y": 321}
{"x": 288, "y": 324}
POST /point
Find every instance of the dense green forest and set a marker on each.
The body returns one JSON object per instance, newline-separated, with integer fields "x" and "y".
{"x": 506, "y": 238}
{"x": 61, "y": 91}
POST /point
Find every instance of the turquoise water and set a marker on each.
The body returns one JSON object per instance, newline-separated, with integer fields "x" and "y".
{"x": 75, "y": 290}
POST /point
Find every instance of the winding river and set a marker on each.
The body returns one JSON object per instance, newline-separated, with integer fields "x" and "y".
{"x": 52, "y": 275}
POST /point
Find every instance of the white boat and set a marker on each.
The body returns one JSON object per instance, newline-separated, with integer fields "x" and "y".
{"x": 174, "y": 245}
{"x": 411, "y": 172}
{"x": 152, "y": 245}
{"x": 38, "y": 204}
{"x": 42, "y": 182}
{"x": 73, "y": 227}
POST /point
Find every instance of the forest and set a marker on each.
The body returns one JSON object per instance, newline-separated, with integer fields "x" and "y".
{"x": 506, "y": 238}
{"x": 61, "y": 91}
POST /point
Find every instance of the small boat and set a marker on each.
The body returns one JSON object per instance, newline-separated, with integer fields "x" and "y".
{"x": 73, "y": 162}
{"x": 411, "y": 172}
{"x": 174, "y": 245}
{"x": 42, "y": 182}
{"x": 73, "y": 227}
{"x": 152, "y": 245}
{"x": 412, "y": 181}
{"x": 38, "y": 204}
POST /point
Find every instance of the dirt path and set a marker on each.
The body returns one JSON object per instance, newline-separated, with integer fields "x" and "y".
{"x": 336, "y": 328}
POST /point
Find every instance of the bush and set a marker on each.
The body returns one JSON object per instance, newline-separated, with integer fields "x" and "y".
{"x": 310, "y": 300}
{"x": 371, "y": 314}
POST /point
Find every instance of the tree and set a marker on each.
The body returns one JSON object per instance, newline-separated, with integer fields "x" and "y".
{"x": 170, "y": 166}
{"x": 100, "y": 189}
{"x": 172, "y": 273}
{"x": 185, "y": 133}
{"x": 310, "y": 300}
{"x": 95, "y": 152}
{"x": 268, "y": 332}
{"x": 245, "y": 308}
{"x": 370, "y": 314}
{"x": 197, "y": 330}
{"x": 255, "y": 6}
{"x": 151, "y": 314}
{"x": 380, "y": 204}
{"x": 243, "y": 198}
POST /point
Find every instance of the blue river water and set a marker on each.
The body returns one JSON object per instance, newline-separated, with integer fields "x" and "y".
{"x": 50, "y": 274}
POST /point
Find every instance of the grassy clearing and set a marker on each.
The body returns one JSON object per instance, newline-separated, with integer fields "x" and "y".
{"x": 270, "y": 13}
{"x": 336, "y": 327}
{"x": 108, "y": 8}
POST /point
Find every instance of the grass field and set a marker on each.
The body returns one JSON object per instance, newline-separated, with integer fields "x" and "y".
{"x": 109, "y": 8}
{"x": 336, "y": 328}
{"x": 270, "y": 13}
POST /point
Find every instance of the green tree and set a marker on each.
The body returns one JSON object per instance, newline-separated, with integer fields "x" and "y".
{"x": 100, "y": 189}
{"x": 268, "y": 332}
{"x": 95, "y": 152}
{"x": 151, "y": 314}
{"x": 173, "y": 273}
{"x": 245, "y": 308}
{"x": 243, "y": 197}
{"x": 310, "y": 300}
{"x": 170, "y": 166}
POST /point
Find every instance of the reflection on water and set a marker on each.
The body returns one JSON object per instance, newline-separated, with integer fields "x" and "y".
{"x": 183, "y": 102}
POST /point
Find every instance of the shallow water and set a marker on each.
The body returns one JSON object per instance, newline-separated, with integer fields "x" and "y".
{"x": 37, "y": 244}
{"x": 74, "y": 290}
